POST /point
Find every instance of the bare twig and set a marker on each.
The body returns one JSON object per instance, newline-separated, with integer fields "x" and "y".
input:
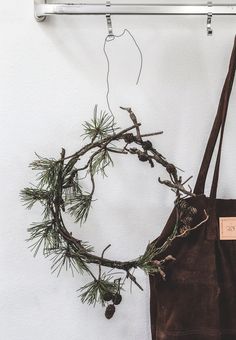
{"x": 133, "y": 279}
{"x": 134, "y": 120}
{"x": 152, "y": 134}
{"x": 102, "y": 256}
{"x": 177, "y": 186}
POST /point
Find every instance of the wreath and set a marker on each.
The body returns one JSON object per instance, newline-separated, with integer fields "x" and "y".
{"x": 59, "y": 190}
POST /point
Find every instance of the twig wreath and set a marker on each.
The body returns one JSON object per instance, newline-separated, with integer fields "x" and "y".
{"x": 59, "y": 190}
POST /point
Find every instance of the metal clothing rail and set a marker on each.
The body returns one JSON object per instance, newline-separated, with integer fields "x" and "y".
{"x": 43, "y": 9}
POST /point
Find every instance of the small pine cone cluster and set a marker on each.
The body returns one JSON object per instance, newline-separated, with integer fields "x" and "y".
{"x": 116, "y": 300}
{"x": 192, "y": 211}
{"x": 182, "y": 205}
{"x": 187, "y": 214}
{"x": 186, "y": 209}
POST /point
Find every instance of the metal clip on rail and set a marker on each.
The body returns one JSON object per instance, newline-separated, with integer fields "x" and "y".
{"x": 109, "y": 22}
{"x": 209, "y": 19}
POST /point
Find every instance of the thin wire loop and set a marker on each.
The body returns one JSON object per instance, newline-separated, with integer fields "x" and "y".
{"x": 108, "y": 39}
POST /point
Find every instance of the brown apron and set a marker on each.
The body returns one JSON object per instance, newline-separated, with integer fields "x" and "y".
{"x": 198, "y": 299}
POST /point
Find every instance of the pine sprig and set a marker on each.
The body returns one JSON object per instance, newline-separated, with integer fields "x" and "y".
{"x": 32, "y": 195}
{"x": 100, "y": 162}
{"x": 47, "y": 169}
{"x": 71, "y": 184}
{"x": 145, "y": 261}
{"x": 94, "y": 291}
{"x": 44, "y": 235}
{"x": 80, "y": 205}
{"x": 88, "y": 248}
{"x": 71, "y": 260}
{"x": 100, "y": 126}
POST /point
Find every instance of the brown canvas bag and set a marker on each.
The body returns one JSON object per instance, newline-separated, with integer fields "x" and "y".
{"x": 198, "y": 299}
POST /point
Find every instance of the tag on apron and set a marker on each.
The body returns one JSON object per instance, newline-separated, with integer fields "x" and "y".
{"x": 227, "y": 228}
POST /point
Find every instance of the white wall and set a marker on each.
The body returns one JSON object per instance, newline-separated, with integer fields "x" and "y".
{"x": 51, "y": 76}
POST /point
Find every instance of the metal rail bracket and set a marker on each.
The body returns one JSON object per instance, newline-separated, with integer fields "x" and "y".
{"x": 36, "y": 3}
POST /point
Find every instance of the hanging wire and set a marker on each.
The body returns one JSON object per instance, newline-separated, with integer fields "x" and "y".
{"x": 108, "y": 39}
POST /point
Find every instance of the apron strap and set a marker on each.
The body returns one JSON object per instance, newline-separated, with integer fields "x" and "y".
{"x": 218, "y": 127}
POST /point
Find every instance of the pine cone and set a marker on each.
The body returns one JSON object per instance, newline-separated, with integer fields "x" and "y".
{"x": 129, "y": 138}
{"x": 147, "y": 145}
{"x": 110, "y": 310}
{"x": 107, "y": 296}
{"x": 143, "y": 157}
{"x": 187, "y": 220}
{"x": 117, "y": 298}
{"x": 192, "y": 210}
{"x": 182, "y": 205}
{"x": 170, "y": 168}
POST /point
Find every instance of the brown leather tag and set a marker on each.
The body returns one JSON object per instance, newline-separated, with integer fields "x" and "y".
{"x": 227, "y": 228}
